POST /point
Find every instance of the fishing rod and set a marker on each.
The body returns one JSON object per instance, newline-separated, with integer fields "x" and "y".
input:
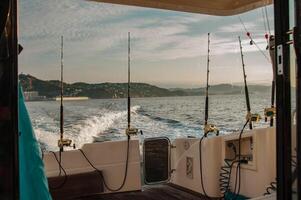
{"x": 62, "y": 142}
{"x": 250, "y": 117}
{"x": 207, "y": 84}
{"x": 225, "y": 175}
{"x": 271, "y": 112}
{"x": 62, "y": 95}
{"x": 129, "y": 131}
{"x": 129, "y": 80}
{"x": 208, "y": 128}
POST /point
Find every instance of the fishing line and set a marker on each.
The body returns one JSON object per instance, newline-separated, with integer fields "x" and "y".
{"x": 264, "y": 21}
{"x": 100, "y": 172}
{"x": 201, "y": 167}
{"x": 60, "y": 168}
{"x": 267, "y": 19}
{"x": 252, "y": 40}
{"x": 271, "y": 188}
{"x": 273, "y": 185}
{"x": 266, "y": 35}
{"x": 225, "y": 175}
{"x": 238, "y": 168}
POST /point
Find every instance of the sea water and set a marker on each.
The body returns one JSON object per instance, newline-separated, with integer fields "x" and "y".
{"x": 173, "y": 117}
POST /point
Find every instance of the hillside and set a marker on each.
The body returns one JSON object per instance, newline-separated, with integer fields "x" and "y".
{"x": 51, "y": 89}
{"x": 224, "y": 89}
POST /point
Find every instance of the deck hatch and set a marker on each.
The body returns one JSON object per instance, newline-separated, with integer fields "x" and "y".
{"x": 156, "y": 160}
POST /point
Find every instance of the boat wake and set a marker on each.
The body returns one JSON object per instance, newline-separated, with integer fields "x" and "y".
{"x": 85, "y": 130}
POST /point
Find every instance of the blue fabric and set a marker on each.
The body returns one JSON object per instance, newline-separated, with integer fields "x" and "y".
{"x": 33, "y": 182}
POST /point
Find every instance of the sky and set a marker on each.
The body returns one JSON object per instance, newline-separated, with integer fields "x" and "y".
{"x": 168, "y": 48}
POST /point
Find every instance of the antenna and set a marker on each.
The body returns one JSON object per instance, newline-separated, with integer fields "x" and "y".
{"x": 208, "y": 127}
{"x": 129, "y": 131}
{"x": 62, "y": 142}
{"x": 250, "y": 117}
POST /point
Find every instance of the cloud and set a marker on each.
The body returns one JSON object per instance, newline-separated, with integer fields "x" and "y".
{"x": 96, "y": 34}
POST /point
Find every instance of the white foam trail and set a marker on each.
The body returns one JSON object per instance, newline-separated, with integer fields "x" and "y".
{"x": 48, "y": 138}
{"x": 94, "y": 125}
{"x": 84, "y": 132}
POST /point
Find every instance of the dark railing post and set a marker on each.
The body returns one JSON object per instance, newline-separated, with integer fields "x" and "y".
{"x": 283, "y": 98}
{"x": 9, "y": 165}
{"x": 297, "y": 45}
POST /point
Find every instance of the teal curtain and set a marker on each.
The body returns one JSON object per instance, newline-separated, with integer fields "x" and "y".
{"x": 33, "y": 181}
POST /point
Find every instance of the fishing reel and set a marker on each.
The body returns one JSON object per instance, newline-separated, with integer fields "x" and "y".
{"x": 253, "y": 117}
{"x": 65, "y": 143}
{"x": 131, "y": 131}
{"x": 211, "y": 128}
{"x": 269, "y": 113}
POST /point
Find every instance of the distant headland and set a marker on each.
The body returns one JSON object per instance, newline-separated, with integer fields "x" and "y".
{"x": 50, "y": 89}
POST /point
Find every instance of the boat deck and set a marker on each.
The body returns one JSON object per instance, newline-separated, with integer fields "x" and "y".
{"x": 156, "y": 192}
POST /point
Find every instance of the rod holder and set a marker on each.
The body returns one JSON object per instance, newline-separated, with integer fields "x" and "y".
{"x": 210, "y": 128}
{"x": 64, "y": 143}
{"x": 131, "y": 131}
{"x": 253, "y": 117}
{"x": 269, "y": 113}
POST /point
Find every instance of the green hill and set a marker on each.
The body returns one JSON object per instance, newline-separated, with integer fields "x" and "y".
{"x": 51, "y": 89}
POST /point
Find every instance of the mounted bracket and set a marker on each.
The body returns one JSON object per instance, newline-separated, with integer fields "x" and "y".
{"x": 211, "y": 128}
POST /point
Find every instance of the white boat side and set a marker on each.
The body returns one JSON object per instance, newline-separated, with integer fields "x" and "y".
{"x": 110, "y": 157}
